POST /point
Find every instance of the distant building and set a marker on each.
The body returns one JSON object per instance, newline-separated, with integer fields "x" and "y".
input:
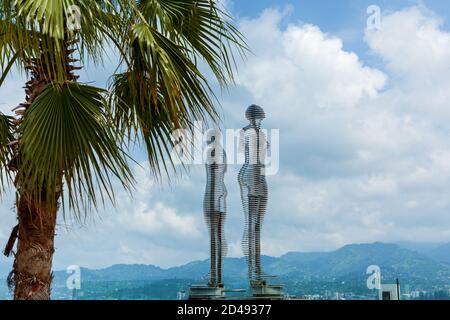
{"x": 389, "y": 292}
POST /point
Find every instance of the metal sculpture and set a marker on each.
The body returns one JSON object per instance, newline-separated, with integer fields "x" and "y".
{"x": 214, "y": 204}
{"x": 254, "y": 192}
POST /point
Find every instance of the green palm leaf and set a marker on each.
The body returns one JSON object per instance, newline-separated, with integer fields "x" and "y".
{"x": 163, "y": 89}
{"x": 160, "y": 43}
{"x": 67, "y": 138}
{"x": 29, "y": 28}
{"x": 202, "y": 27}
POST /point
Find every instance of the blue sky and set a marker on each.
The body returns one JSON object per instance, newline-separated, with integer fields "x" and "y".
{"x": 345, "y": 18}
{"x": 364, "y": 144}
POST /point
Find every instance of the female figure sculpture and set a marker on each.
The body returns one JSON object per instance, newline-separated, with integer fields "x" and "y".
{"x": 253, "y": 186}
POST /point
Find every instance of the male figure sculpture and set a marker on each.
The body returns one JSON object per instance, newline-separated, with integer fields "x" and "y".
{"x": 253, "y": 186}
{"x": 214, "y": 204}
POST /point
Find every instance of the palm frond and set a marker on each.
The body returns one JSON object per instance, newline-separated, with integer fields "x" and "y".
{"x": 66, "y": 138}
{"x": 142, "y": 115}
{"x": 31, "y": 28}
{"x": 162, "y": 92}
{"x": 70, "y": 134}
{"x": 203, "y": 28}
{"x": 163, "y": 88}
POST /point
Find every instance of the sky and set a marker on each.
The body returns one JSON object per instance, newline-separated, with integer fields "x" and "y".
{"x": 364, "y": 141}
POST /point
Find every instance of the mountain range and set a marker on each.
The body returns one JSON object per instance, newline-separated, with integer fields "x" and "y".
{"x": 349, "y": 260}
{"x": 437, "y": 251}
{"x": 343, "y": 270}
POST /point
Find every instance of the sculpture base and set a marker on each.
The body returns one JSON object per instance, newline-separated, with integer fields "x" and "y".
{"x": 204, "y": 292}
{"x": 262, "y": 290}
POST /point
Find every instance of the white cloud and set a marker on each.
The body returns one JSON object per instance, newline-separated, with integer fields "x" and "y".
{"x": 413, "y": 45}
{"x": 159, "y": 220}
{"x": 289, "y": 67}
{"x": 366, "y": 146}
{"x": 365, "y": 153}
{"x": 416, "y": 51}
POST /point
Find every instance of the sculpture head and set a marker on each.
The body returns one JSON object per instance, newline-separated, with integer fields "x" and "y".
{"x": 255, "y": 114}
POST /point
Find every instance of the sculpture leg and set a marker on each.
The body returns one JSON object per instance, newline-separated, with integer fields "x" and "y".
{"x": 246, "y": 238}
{"x": 212, "y": 233}
{"x": 253, "y": 214}
{"x": 261, "y": 210}
{"x": 250, "y": 246}
{"x": 220, "y": 246}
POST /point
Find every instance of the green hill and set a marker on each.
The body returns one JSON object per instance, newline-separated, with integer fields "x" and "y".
{"x": 343, "y": 270}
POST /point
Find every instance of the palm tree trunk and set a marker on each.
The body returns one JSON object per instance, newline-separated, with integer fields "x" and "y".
{"x": 32, "y": 269}
{"x": 31, "y": 276}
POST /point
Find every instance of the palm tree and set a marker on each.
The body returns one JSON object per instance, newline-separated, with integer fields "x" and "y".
{"x": 68, "y": 141}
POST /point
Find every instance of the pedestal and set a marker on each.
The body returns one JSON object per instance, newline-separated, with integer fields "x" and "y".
{"x": 262, "y": 290}
{"x": 204, "y": 292}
